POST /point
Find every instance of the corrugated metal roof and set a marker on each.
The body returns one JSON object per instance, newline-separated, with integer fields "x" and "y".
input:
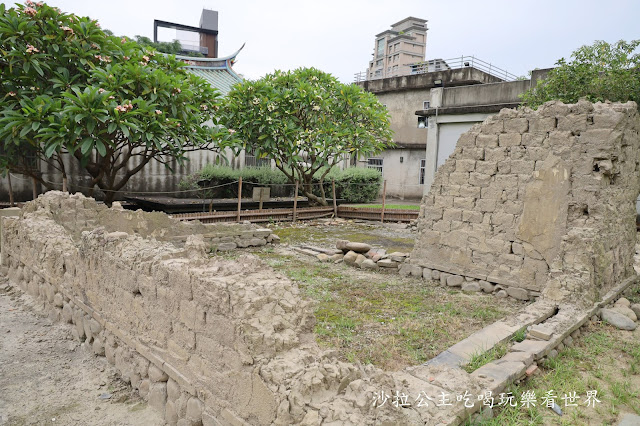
{"x": 219, "y": 78}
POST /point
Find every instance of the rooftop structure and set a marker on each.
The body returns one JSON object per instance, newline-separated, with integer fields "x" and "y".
{"x": 217, "y": 71}
{"x": 202, "y": 39}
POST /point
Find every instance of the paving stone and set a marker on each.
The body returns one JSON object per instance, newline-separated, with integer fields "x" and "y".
{"x": 447, "y": 358}
{"x": 534, "y": 347}
{"x": 630, "y": 420}
{"x": 502, "y": 373}
{"x": 617, "y": 319}
{"x": 541, "y": 332}
{"x": 322, "y": 257}
{"x": 523, "y": 357}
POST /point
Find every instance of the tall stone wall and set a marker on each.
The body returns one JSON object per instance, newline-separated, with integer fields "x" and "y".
{"x": 543, "y": 201}
{"x": 206, "y": 340}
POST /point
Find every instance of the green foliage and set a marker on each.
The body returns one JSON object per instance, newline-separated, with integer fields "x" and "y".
{"x": 306, "y": 120}
{"x": 68, "y": 87}
{"x": 356, "y": 184}
{"x": 599, "y": 72}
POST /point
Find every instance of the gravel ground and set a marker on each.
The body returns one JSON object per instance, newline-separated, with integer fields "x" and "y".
{"x": 47, "y": 378}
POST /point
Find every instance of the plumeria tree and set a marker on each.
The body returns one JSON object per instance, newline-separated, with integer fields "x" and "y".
{"x": 69, "y": 91}
{"x": 307, "y": 121}
{"x": 599, "y": 72}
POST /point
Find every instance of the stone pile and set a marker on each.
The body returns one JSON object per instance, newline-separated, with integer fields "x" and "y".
{"x": 622, "y": 314}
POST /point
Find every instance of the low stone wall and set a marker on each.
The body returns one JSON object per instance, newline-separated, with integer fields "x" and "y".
{"x": 539, "y": 201}
{"x": 205, "y": 340}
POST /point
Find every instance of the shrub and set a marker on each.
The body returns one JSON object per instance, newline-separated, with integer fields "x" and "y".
{"x": 354, "y": 185}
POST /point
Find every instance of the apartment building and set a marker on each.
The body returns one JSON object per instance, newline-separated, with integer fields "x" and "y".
{"x": 397, "y": 48}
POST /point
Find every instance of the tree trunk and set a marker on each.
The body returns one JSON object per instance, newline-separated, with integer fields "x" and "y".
{"x": 64, "y": 183}
{"x": 10, "y": 189}
{"x": 34, "y": 184}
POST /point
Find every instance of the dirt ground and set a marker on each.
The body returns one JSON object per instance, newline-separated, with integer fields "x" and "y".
{"x": 47, "y": 378}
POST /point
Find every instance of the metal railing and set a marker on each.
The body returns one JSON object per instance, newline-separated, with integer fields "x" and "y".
{"x": 437, "y": 65}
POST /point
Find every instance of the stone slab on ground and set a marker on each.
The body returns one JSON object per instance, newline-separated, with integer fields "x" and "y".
{"x": 499, "y": 373}
{"x": 630, "y": 420}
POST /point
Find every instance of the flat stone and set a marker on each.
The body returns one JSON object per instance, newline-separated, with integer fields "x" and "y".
{"x": 357, "y": 247}
{"x": 447, "y": 358}
{"x": 471, "y": 286}
{"x": 455, "y": 280}
{"x": 531, "y": 370}
{"x": 628, "y": 312}
{"x": 617, "y": 319}
{"x": 534, "y": 347}
{"x": 322, "y": 257}
{"x": 502, "y": 373}
{"x": 630, "y": 420}
{"x": 523, "y": 357}
{"x": 518, "y": 293}
{"x": 342, "y": 244}
{"x": 369, "y": 264}
{"x": 541, "y": 332}
{"x": 387, "y": 263}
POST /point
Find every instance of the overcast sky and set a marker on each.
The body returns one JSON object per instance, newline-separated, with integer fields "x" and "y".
{"x": 338, "y": 36}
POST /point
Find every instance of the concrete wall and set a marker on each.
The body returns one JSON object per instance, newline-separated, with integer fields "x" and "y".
{"x": 404, "y": 122}
{"x": 542, "y": 201}
{"x": 154, "y": 177}
{"x": 456, "y": 77}
{"x": 485, "y": 94}
{"x": 403, "y": 179}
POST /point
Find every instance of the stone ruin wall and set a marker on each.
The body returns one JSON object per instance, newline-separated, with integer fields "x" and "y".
{"x": 542, "y": 202}
{"x": 205, "y": 340}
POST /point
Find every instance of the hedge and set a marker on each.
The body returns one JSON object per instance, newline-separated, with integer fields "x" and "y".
{"x": 354, "y": 185}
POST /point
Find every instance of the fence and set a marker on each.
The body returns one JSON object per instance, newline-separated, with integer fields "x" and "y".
{"x": 436, "y": 65}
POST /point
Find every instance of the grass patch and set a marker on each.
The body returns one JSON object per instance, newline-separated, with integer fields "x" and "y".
{"x": 327, "y": 236}
{"x": 605, "y": 360}
{"x": 485, "y": 357}
{"x": 384, "y": 319}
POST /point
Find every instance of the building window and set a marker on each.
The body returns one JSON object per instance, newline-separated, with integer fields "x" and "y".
{"x": 380, "y": 50}
{"x": 423, "y": 164}
{"x": 423, "y": 122}
{"x": 425, "y": 105}
{"x": 375, "y": 163}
